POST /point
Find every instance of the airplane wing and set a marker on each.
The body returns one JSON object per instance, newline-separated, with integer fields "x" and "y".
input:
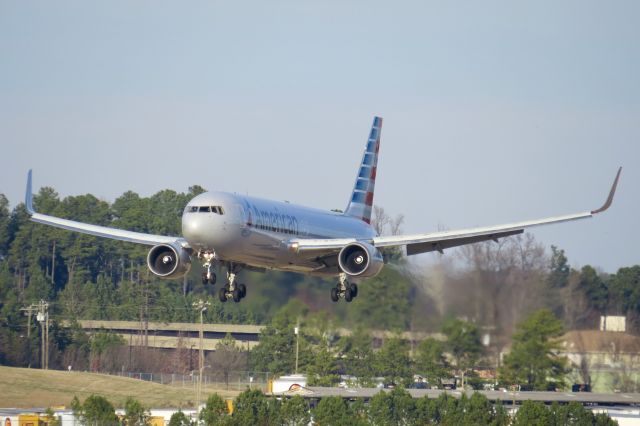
{"x": 438, "y": 241}
{"x": 99, "y": 231}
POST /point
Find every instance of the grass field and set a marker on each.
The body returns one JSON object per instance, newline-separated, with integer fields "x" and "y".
{"x": 26, "y": 388}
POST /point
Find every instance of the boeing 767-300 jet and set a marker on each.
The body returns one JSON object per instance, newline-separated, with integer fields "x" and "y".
{"x": 236, "y": 232}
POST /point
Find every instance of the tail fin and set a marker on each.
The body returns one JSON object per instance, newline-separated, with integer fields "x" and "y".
{"x": 362, "y": 197}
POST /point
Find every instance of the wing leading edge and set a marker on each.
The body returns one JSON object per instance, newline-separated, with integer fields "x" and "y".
{"x": 97, "y": 230}
{"x": 438, "y": 241}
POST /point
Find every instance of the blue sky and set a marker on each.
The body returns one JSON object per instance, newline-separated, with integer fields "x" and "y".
{"x": 494, "y": 111}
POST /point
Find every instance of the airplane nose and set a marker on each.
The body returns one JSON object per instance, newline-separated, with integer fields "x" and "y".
{"x": 203, "y": 230}
{"x": 191, "y": 228}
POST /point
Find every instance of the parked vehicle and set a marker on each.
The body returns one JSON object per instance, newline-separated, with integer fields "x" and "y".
{"x": 581, "y": 387}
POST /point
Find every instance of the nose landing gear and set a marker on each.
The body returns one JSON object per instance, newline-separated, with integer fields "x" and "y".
{"x": 231, "y": 290}
{"x": 344, "y": 289}
{"x": 208, "y": 276}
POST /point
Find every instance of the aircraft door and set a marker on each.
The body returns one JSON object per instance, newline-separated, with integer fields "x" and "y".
{"x": 241, "y": 215}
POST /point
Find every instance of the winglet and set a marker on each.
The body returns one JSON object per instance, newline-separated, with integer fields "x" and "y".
{"x": 28, "y": 198}
{"x": 607, "y": 203}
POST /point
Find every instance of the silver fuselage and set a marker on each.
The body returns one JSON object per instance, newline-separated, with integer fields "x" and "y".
{"x": 257, "y": 232}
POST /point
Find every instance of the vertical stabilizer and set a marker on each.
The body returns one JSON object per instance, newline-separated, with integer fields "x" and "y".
{"x": 362, "y": 197}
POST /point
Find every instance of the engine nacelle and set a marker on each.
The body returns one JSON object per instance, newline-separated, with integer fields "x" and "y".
{"x": 360, "y": 259}
{"x": 168, "y": 261}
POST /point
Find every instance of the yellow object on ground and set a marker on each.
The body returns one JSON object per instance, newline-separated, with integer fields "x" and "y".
{"x": 156, "y": 421}
{"x": 30, "y": 420}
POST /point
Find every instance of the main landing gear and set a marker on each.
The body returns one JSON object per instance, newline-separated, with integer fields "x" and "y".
{"x": 346, "y": 290}
{"x": 233, "y": 291}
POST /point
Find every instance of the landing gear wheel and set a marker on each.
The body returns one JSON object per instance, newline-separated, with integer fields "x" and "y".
{"x": 348, "y": 296}
{"x": 209, "y": 279}
{"x": 334, "y": 294}
{"x": 236, "y": 295}
{"x": 222, "y": 295}
{"x": 353, "y": 290}
{"x": 243, "y": 290}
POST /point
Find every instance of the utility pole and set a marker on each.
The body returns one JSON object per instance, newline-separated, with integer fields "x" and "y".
{"x": 191, "y": 358}
{"x": 146, "y": 310}
{"x": 43, "y": 319}
{"x": 296, "y": 330}
{"x": 53, "y": 263}
{"x": 201, "y": 306}
{"x": 28, "y": 311}
{"x": 42, "y": 315}
{"x": 46, "y": 364}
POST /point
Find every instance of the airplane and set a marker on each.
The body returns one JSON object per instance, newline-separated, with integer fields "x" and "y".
{"x": 243, "y": 232}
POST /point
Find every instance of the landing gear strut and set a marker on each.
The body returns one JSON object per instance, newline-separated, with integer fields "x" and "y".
{"x": 346, "y": 290}
{"x": 231, "y": 290}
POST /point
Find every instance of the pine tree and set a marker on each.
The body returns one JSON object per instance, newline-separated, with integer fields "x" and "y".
{"x": 534, "y": 361}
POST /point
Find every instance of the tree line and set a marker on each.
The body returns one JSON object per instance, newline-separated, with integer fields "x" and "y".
{"x": 492, "y": 287}
{"x": 329, "y": 358}
{"x": 396, "y": 407}
{"x": 85, "y": 277}
{"x": 326, "y": 357}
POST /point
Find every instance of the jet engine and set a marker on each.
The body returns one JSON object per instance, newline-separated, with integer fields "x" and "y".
{"x": 168, "y": 261}
{"x": 360, "y": 259}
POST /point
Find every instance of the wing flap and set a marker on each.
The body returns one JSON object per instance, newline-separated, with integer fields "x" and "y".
{"x": 440, "y": 245}
{"x": 455, "y": 238}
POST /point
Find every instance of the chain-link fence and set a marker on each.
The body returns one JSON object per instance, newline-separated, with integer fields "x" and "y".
{"x": 229, "y": 380}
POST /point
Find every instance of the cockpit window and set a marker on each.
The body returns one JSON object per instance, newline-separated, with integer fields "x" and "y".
{"x": 206, "y": 209}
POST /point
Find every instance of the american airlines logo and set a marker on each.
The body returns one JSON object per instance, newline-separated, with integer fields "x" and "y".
{"x": 271, "y": 220}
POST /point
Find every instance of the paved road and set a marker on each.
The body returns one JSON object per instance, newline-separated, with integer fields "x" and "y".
{"x": 618, "y": 399}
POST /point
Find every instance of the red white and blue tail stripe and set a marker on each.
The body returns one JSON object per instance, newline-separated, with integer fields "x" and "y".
{"x": 362, "y": 197}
